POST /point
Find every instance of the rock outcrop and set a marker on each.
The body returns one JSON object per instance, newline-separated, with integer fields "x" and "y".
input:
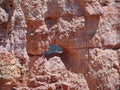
{"x": 10, "y": 68}
{"x": 88, "y": 31}
{"x": 42, "y": 76}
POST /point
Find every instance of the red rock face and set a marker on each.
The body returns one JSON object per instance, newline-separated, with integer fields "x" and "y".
{"x": 10, "y": 68}
{"x": 88, "y": 31}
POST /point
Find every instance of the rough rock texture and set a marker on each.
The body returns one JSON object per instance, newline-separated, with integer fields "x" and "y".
{"x": 88, "y": 31}
{"x": 104, "y": 69}
{"x": 42, "y": 76}
{"x": 10, "y": 68}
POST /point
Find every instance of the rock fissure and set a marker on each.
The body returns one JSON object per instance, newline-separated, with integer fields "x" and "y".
{"x": 85, "y": 31}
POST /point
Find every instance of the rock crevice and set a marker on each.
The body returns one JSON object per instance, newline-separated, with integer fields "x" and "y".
{"x": 88, "y": 31}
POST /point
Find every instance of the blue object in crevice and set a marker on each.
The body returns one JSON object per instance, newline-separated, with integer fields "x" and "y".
{"x": 53, "y": 49}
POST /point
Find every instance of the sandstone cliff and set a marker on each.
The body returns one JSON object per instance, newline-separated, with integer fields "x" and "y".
{"x": 88, "y": 31}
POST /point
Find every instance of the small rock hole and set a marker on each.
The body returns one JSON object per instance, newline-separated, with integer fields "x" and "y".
{"x": 11, "y": 5}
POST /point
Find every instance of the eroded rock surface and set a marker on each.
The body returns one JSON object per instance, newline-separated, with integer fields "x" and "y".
{"x": 42, "y": 76}
{"x": 10, "y": 68}
{"x": 88, "y": 31}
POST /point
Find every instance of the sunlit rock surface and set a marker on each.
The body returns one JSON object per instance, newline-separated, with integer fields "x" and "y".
{"x": 87, "y": 31}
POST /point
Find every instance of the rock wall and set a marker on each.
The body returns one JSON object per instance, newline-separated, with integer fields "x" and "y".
{"x": 88, "y": 31}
